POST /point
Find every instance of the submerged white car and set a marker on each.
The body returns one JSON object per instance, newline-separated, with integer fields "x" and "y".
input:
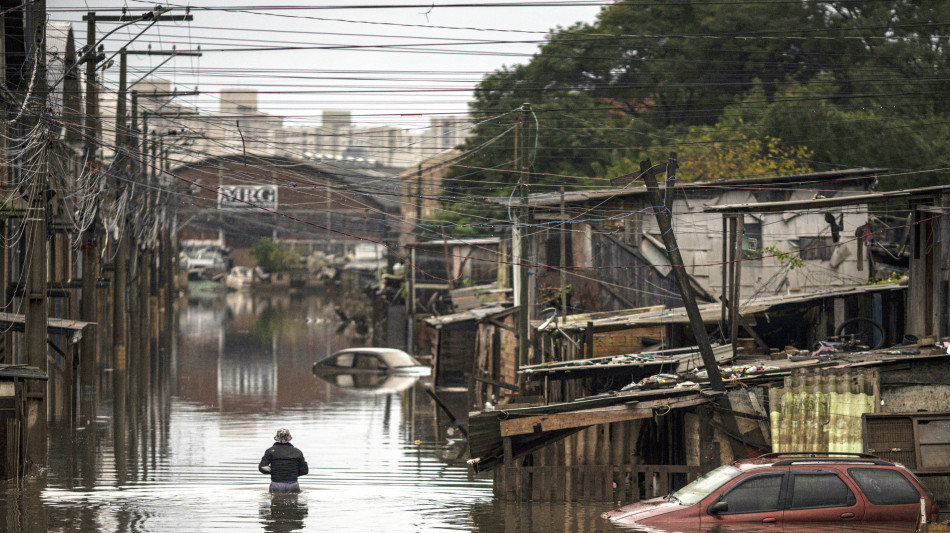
{"x": 371, "y": 360}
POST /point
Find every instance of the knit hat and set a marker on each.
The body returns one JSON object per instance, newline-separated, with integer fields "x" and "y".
{"x": 283, "y": 436}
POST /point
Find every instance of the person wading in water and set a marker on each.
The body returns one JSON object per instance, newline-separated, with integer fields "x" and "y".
{"x": 284, "y": 463}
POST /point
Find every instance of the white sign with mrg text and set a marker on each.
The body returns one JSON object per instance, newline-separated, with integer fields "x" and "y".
{"x": 247, "y": 196}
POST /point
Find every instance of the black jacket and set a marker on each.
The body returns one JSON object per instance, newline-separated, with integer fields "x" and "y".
{"x": 285, "y": 461}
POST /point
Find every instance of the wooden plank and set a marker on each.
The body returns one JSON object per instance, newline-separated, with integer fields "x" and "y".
{"x": 568, "y": 462}
{"x": 590, "y": 417}
{"x": 508, "y": 469}
{"x": 588, "y": 478}
{"x": 624, "y": 341}
{"x": 635, "y": 482}
{"x": 533, "y": 477}
{"x": 560, "y": 484}
{"x": 663, "y": 469}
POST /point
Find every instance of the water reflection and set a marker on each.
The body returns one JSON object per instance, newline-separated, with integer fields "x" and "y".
{"x": 365, "y": 383}
{"x": 283, "y": 512}
{"x": 185, "y": 455}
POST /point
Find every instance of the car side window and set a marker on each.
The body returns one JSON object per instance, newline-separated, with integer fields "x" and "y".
{"x": 884, "y": 487}
{"x": 367, "y": 361}
{"x": 754, "y": 494}
{"x": 344, "y": 360}
{"x": 819, "y": 488}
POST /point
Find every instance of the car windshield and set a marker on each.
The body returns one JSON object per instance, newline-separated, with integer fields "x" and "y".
{"x": 705, "y": 484}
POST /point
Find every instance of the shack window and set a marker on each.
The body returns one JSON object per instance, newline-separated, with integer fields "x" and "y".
{"x": 757, "y": 494}
{"x": 553, "y": 247}
{"x": 884, "y": 487}
{"x": 812, "y": 489}
{"x": 815, "y": 248}
{"x": 752, "y": 240}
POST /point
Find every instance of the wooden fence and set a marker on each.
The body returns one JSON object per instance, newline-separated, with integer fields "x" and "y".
{"x": 595, "y": 483}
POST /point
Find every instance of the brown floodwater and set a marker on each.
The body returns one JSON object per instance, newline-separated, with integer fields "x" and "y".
{"x": 185, "y": 456}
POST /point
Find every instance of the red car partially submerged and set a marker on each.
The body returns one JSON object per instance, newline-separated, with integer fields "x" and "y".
{"x": 789, "y": 488}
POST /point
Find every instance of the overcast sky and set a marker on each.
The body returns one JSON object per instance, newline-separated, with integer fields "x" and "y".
{"x": 386, "y": 65}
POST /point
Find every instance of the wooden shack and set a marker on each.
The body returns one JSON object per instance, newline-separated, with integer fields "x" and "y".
{"x": 929, "y": 270}
{"x": 615, "y": 259}
{"x": 623, "y": 446}
{"x": 474, "y": 351}
{"x": 580, "y": 355}
{"x": 15, "y": 407}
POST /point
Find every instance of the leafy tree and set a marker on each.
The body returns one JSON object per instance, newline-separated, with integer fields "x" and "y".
{"x": 273, "y": 257}
{"x": 786, "y": 87}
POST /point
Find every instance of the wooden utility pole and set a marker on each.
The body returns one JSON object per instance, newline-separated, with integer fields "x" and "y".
{"x": 92, "y": 99}
{"x": 91, "y": 264}
{"x": 411, "y": 300}
{"x": 72, "y": 97}
{"x": 120, "y": 107}
{"x": 662, "y": 207}
{"x": 735, "y": 282}
{"x": 524, "y": 333}
{"x": 563, "y": 257}
{"x": 36, "y": 180}
{"x": 120, "y": 277}
{"x": 662, "y": 211}
{"x": 418, "y": 198}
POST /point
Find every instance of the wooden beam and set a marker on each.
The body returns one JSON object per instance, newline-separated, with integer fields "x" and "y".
{"x": 497, "y": 383}
{"x": 590, "y": 417}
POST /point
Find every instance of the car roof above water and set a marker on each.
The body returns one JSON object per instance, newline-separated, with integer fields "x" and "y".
{"x": 810, "y": 458}
{"x": 392, "y": 356}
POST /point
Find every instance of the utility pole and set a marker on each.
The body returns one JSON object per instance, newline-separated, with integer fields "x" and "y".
{"x": 71, "y": 94}
{"x": 92, "y": 99}
{"x": 120, "y": 277}
{"x": 89, "y": 298}
{"x": 563, "y": 257}
{"x": 662, "y": 207}
{"x": 36, "y": 176}
{"x": 134, "y": 133}
{"x": 411, "y": 301}
{"x": 524, "y": 333}
{"x": 120, "y": 107}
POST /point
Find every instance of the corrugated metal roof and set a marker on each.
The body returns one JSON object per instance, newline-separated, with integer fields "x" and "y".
{"x": 472, "y": 314}
{"x": 553, "y": 199}
{"x": 765, "y": 207}
{"x": 482, "y": 241}
{"x": 8, "y": 372}
{"x": 64, "y": 326}
{"x": 711, "y": 312}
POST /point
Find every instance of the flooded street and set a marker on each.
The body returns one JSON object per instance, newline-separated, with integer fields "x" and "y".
{"x": 239, "y": 369}
{"x": 199, "y": 421}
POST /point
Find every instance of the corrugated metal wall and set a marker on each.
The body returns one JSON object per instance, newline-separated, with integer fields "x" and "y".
{"x": 820, "y": 409}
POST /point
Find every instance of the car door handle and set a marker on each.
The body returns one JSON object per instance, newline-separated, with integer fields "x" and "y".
{"x": 847, "y": 515}
{"x": 769, "y": 520}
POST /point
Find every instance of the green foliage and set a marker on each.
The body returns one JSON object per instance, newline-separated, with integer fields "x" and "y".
{"x": 784, "y": 88}
{"x": 271, "y": 322}
{"x": 790, "y": 259}
{"x": 273, "y": 257}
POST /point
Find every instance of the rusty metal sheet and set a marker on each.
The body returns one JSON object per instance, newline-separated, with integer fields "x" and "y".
{"x": 625, "y": 341}
{"x": 820, "y": 409}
